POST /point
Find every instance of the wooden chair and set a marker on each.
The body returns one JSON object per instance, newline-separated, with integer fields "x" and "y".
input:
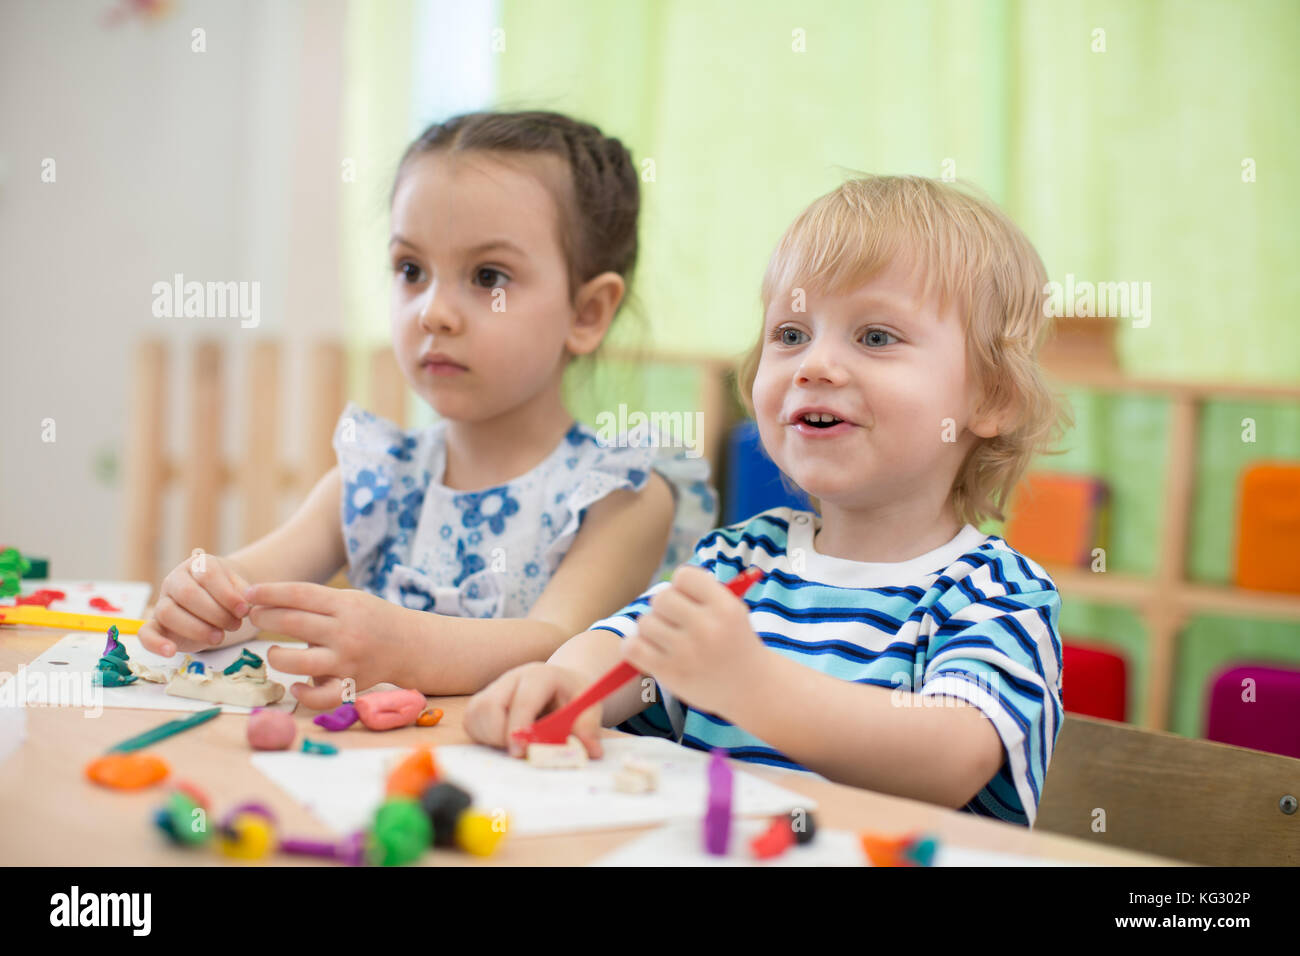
{"x": 1192, "y": 800}
{"x": 259, "y": 477}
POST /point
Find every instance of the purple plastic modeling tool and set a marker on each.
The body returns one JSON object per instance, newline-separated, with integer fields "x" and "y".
{"x": 350, "y": 850}
{"x": 717, "y": 819}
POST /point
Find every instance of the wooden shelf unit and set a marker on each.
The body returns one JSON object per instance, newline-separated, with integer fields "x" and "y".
{"x": 1166, "y": 599}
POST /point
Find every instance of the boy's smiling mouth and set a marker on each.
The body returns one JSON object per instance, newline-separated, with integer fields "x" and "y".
{"x": 820, "y": 422}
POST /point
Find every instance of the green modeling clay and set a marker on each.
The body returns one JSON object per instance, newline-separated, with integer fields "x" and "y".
{"x": 113, "y": 669}
{"x": 247, "y": 659}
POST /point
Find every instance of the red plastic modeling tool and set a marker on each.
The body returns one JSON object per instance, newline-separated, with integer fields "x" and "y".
{"x": 554, "y": 727}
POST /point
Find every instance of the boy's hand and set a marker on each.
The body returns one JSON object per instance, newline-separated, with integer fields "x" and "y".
{"x": 519, "y": 696}
{"x": 696, "y": 639}
{"x": 199, "y": 601}
{"x": 352, "y": 634}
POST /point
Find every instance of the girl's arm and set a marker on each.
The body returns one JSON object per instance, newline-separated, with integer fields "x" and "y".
{"x": 616, "y": 552}
{"x": 307, "y": 547}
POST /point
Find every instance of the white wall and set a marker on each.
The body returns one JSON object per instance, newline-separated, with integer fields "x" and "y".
{"x": 221, "y": 165}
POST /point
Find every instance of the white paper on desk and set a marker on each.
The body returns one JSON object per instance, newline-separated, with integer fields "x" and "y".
{"x": 129, "y": 597}
{"x": 682, "y": 844}
{"x": 343, "y": 791}
{"x": 44, "y": 682}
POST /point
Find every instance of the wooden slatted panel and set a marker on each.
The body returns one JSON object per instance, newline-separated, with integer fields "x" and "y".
{"x": 146, "y": 463}
{"x": 203, "y": 469}
{"x": 259, "y": 471}
{"x": 1194, "y": 800}
{"x": 326, "y": 389}
{"x": 387, "y": 386}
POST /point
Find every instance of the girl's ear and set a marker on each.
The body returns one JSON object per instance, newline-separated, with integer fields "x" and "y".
{"x": 594, "y": 309}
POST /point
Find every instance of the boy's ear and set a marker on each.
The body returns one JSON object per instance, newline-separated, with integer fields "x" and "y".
{"x": 594, "y": 307}
{"x": 993, "y": 419}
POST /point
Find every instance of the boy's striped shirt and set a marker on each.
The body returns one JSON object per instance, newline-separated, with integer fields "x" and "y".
{"x": 973, "y": 619}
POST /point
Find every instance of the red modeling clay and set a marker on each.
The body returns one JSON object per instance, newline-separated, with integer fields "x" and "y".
{"x": 102, "y": 604}
{"x": 42, "y": 598}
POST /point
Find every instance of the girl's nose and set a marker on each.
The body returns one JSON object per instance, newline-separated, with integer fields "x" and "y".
{"x": 436, "y": 311}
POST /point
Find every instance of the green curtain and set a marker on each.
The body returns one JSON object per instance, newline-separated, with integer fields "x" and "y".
{"x": 1117, "y": 134}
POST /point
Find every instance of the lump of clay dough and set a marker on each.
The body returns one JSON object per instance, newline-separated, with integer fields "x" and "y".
{"x": 271, "y": 730}
{"x": 114, "y": 667}
{"x": 569, "y": 755}
{"x": 387, "y": 709}
{"x": 247, "y": 687}
{"x": 637, "y": 776}
{"x": 147, "y": 673}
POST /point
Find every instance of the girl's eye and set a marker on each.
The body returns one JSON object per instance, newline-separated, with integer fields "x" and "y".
{"x": 872, "y": 337}
{"x": 788, "y": 335}
{"x": 409, "y": 271}
{"x": 489, "y": 278}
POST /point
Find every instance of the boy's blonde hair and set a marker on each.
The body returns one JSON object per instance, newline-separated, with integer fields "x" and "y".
{"x": 981, "y": 262}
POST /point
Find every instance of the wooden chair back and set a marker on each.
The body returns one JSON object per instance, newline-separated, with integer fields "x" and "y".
{"x": 1156, "y": 792}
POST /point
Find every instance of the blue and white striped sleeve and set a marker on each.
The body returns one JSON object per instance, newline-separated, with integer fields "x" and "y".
{"x": 997, "y": 648}
{"x": 664, "y": 716}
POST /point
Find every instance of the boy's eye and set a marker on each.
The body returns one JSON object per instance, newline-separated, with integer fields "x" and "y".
{"x": 490, "y": 278}
{"x": 788, "y": 335}
{"x": 873, "y": 337}
{"x": 409, "y": 271}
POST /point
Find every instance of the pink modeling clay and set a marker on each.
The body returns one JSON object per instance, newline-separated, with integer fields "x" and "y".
{"x": 271, "y": 730}
{"x": 389, "y": 709}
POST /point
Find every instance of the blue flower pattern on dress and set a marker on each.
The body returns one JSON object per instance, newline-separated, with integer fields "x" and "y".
{"x": 434, "y": 548}
{"x": 362, "y": 495}
{"x": 492, "y": 506}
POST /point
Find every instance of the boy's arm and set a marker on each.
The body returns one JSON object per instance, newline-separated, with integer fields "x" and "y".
{"x": 616, "y": 552}
{"x": 870, "y": 737}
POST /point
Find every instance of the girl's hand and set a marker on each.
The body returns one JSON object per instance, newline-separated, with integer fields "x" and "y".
{"x": 199, "y": 601}
{"x": 696, "y": 639}
{"x": 352, "y": 634}
{"x": 519, "y": 696}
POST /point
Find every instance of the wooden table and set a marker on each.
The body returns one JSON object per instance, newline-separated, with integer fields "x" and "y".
{"x": 50, "y": 814}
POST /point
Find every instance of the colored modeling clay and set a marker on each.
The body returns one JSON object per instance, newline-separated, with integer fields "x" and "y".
{"x": 271, "y": 730}
{"x": 444, "y": 803}
{"x": 247, "y": 833}
{"x": 113, "y": 668}
{"x": 569, "y": 755}
{"x": 401, "y": 833}
{"x": 413, "y": 775}
{"x": 389, "y": 709}
{"x": 340, "y": 718}
{"x": 129, "y": 771}
{"x": 312, "y": 747}
{"x": 637, "y": 776}
{"x": 180, "y": 821}
{"x": 100, "y": 604}
{"x": 717, "y": 819}
{"x": 429, "y": 717}
{"x": 886, "y": 851}
{"x": 247, "y": 660}
{"x": 773, "y": 841}
{"x": 479, "y": 834}
{"x": 802, "y": 825}
{"x": 247, "y": 687}
{"x": 42, "y": 598}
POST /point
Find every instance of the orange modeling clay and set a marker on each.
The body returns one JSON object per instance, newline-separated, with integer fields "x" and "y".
{"x": 128, "y": 771}
{"x": 414, "y": 775}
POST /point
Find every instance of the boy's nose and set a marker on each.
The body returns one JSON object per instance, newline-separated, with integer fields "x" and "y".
{"x": 819, "y": 365}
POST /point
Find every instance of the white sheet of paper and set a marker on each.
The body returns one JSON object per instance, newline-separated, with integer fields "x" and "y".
{"x": 44, "y": 681}
{"x": 682, "y": 844}
{"x": 343, "y": 791}
{"x": 130, "y": 597}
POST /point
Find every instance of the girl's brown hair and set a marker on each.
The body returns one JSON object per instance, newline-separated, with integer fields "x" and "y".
{"x": 600, "y": 201}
